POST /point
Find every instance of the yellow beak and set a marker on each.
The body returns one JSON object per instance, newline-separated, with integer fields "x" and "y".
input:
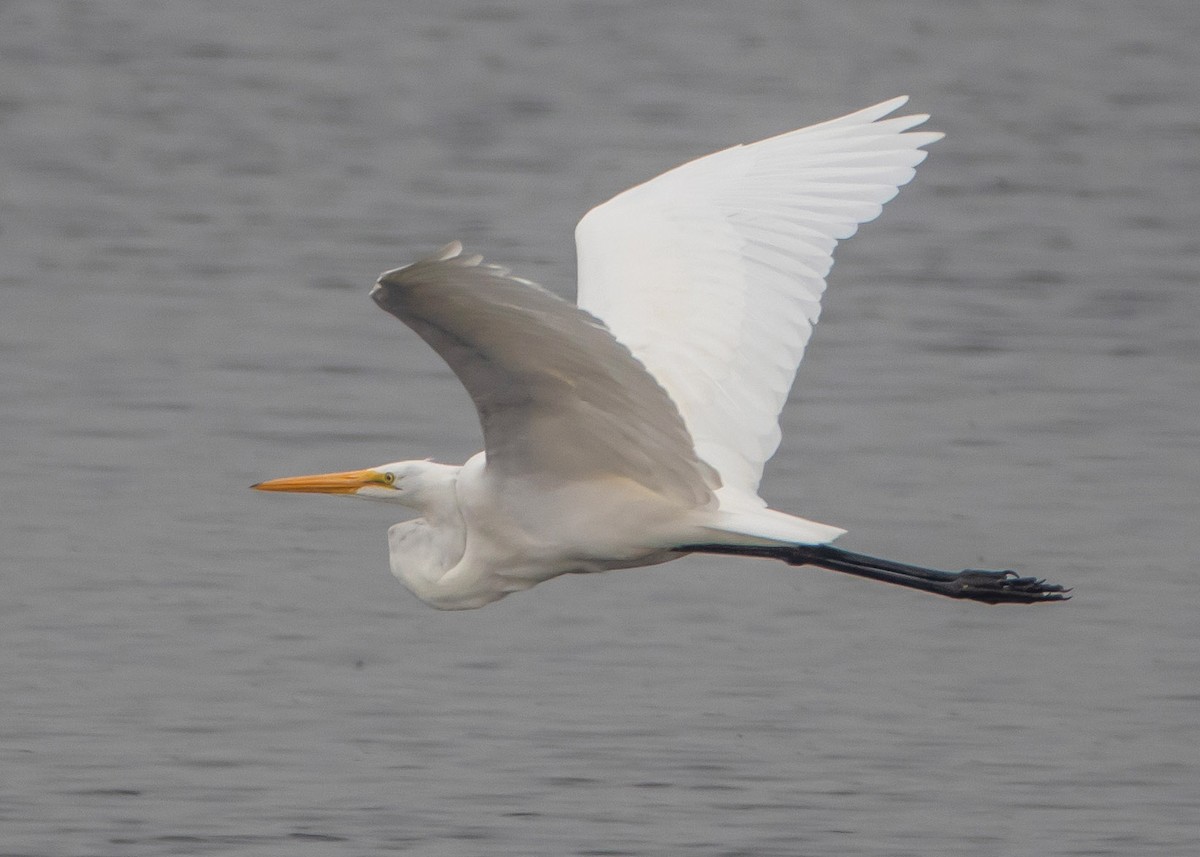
{"x": 347, "y": 482}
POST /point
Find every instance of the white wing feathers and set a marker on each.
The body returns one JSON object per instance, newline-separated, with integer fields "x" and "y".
{"x": 712, "y": 273}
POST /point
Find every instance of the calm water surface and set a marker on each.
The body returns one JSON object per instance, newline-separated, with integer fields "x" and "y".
{"x": 195, "y": 201}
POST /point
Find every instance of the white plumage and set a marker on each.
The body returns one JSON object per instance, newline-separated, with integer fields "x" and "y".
{"x": 634, "y": 428}
{"x": 712, "y": 273}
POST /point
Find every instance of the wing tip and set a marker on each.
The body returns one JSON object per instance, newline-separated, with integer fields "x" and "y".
{"x": 866, "y": 115}
{"x": 882, "y": 111}
{"x": 438, "y": 266}
{"x": 450, "y": 251}
{"x": 890, "y": 105}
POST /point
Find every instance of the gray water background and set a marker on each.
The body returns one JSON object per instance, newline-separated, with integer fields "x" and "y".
{"x": 195, "y": 199}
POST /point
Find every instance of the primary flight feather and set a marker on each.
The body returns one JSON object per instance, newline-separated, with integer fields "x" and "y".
{"x": 633, "y": 428}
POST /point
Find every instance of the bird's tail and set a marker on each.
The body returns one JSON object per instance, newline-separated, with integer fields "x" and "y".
{"x": 744, "y": 518}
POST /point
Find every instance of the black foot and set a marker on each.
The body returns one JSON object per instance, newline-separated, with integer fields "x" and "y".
{"x": 1000, "y": 587}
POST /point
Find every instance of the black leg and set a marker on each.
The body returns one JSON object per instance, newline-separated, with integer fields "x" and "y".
{"x": 990, "y": 587}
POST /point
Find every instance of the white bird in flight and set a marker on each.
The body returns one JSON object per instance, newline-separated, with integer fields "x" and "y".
{"x": 632, "y": 429}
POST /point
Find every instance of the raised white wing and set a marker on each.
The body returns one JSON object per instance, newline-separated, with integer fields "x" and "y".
{"x": 712, "y": 273}
{"x": 558, "y": 397}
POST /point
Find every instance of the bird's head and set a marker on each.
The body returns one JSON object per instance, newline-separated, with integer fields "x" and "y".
{"x": 406, "y": 482}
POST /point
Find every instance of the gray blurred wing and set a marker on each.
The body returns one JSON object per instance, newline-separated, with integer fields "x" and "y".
{"x": 558, "y": 397}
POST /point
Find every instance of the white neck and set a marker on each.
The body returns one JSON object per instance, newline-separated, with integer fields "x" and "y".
{"x": 424, "y": 549}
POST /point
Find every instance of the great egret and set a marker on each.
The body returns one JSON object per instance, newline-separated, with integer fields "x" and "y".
{"x": 633, "y": 429}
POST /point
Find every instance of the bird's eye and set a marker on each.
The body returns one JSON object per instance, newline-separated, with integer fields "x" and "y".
{"x": 389, "y": 478}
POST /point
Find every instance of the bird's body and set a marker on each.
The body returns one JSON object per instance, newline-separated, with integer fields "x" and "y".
{"x": 633, "y": 428}
{"x": 504, "y": 535}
